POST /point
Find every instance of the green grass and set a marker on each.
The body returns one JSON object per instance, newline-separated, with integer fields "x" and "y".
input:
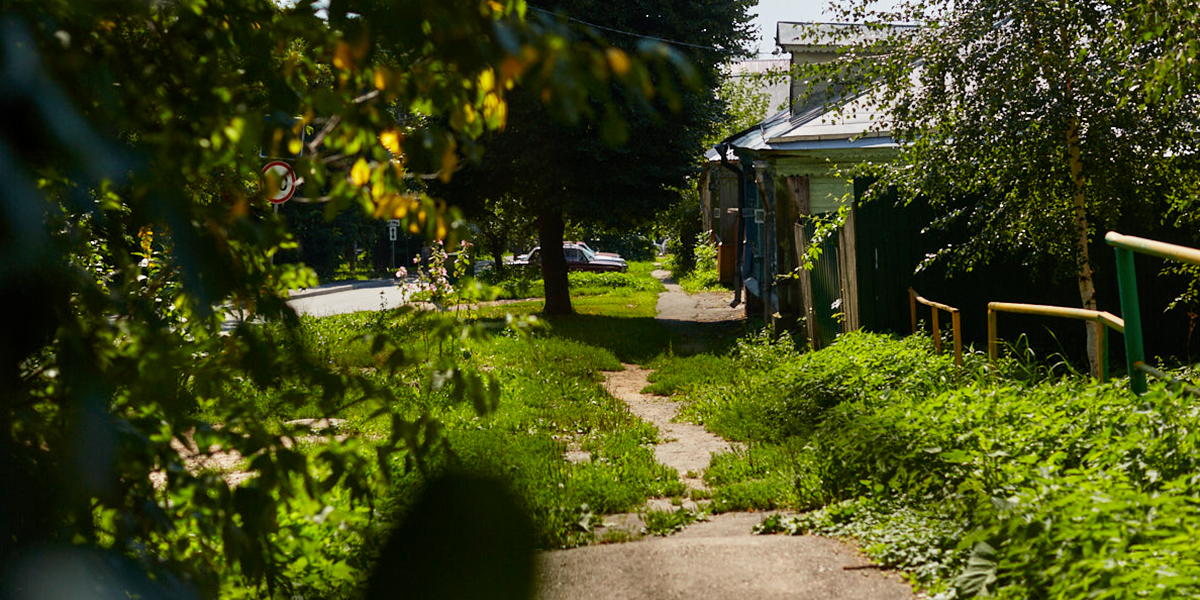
{"x": 623, "y": 324}
{"x": 664, "y": 523}
{"x": 551, "y": 398}
{"x": 763, "y": 477}
{"x": 1019, "y": 480}
{"x": 1053, "y": 487}
{"x": 677, "y": 374}
{"x": 519, "y": 283}
{"x": 704, "y": 277}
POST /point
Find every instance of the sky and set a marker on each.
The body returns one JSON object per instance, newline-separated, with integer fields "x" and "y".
{"x": 771, "y": 12}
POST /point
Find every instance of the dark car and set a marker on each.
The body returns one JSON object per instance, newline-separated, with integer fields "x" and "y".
{"x": 578, "y": 259}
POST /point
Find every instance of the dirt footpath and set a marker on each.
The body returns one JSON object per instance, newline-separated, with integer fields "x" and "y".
{"x": 715, "y": 559}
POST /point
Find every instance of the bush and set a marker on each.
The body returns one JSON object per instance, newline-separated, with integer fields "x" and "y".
{"x": 1051, "y": 488}
{"x": 704, "y": 275}
{"x": 596, "y": 284}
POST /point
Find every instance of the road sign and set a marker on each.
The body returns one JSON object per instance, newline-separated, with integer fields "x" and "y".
{"x": 280, "y": 181}
{"x": 393, "y": 225}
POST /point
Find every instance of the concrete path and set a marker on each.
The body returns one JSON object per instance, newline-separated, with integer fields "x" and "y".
{"x": 716, "y": 559}
{"x": 698, "y": 320}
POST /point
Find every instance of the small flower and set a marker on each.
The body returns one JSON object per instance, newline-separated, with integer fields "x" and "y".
{"x": 402, "y": 272}
{"x": 416, "y": 259}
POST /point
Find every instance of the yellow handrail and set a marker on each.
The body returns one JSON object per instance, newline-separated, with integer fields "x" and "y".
{"x": 1110, "y": 321}
{"x": 956, "y": 322}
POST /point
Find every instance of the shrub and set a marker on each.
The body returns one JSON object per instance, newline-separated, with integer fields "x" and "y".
{"x": 1044, "y": 488}
{"x": 703, "y": 275}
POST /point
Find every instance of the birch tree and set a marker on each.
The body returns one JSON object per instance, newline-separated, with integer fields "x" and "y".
{"x": 1019, "y": 119}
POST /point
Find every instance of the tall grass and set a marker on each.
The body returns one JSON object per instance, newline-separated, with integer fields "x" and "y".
{"x": 1053, "y": 487}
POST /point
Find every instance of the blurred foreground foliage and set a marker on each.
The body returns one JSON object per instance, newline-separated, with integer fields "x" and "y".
{"x": 133, "y": 219}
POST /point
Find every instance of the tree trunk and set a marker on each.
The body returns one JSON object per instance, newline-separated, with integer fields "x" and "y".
{"x": 498, "y": 263}
{"x": 496, "y": 244}
{"x": 554, "y": 264}
{"x": 1087, "y": 288}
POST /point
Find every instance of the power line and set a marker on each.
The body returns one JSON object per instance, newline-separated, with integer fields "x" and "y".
{"x": 629, "y": 33}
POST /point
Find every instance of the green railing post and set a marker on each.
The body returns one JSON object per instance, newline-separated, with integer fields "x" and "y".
{"x": 1131, "y": 313}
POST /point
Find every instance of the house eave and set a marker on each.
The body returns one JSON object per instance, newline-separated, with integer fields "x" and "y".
{"x": 829, "y": 137}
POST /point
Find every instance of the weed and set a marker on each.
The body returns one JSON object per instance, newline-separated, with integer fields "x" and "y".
{"x": 664, "y": 523}
{"x": 618, "y": 536}
{"x": 926, "y": 545}
{"x": 673, "y": 374}
{"x": 704, "y": 276}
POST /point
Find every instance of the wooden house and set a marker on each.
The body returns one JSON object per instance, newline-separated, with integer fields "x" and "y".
{"x": 767, "y": 188}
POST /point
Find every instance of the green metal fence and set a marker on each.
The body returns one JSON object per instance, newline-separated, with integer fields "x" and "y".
{"x": 1135, "y": 353}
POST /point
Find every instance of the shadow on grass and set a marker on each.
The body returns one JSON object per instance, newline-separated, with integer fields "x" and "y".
{"x": 696, "y": 337}
{"x": 634, "y": 339}
{"x": 631, "y": 339}
{"x": 641, "y": 339}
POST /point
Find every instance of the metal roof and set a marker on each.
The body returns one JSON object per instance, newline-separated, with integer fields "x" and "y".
{"x": 828, "y": 37}
{"x": 834, "y": 122}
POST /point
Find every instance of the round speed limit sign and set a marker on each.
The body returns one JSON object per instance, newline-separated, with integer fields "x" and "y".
{"x": 279, "y": 180}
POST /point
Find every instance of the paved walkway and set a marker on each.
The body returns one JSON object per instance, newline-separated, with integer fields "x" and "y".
{"x": 721, "y": 558}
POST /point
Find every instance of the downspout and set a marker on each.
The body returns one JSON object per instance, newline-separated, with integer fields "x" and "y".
{"x": 770, "y": 301}
{"x": 723, "y": 150}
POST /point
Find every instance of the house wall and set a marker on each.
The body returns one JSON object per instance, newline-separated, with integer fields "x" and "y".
{"x": 718, "y": 195}
{"x": 827, "y": 296}
{"x": 719, "y": 202}
{"x": 726, "y": 224}
{"x": 827, "y": 189}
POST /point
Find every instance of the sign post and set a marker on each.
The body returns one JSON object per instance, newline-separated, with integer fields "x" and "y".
{"x": 393, "y": 225}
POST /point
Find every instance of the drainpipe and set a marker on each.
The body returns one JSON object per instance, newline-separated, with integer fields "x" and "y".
{"x": 770, "y": 303}
{"x": 723, "y": 150}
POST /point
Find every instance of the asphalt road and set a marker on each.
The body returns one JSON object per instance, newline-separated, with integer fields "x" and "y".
{"x": 342, "y": 298}
{"x": 337, "y": 299}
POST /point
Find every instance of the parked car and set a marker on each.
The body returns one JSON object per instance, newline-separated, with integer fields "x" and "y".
{"x": 589, "y": 249}
{"x": 578, "y": 259}
{"x": 603, "y": 255}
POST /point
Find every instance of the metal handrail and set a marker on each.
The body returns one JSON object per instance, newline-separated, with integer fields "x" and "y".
{"x": 1110, "y": 321}
{"x": 1135, "y": 354}
{"x": 956, "y": 322}
{"x": 1145, "y": 368}
{"x": 1153, "y": 248}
